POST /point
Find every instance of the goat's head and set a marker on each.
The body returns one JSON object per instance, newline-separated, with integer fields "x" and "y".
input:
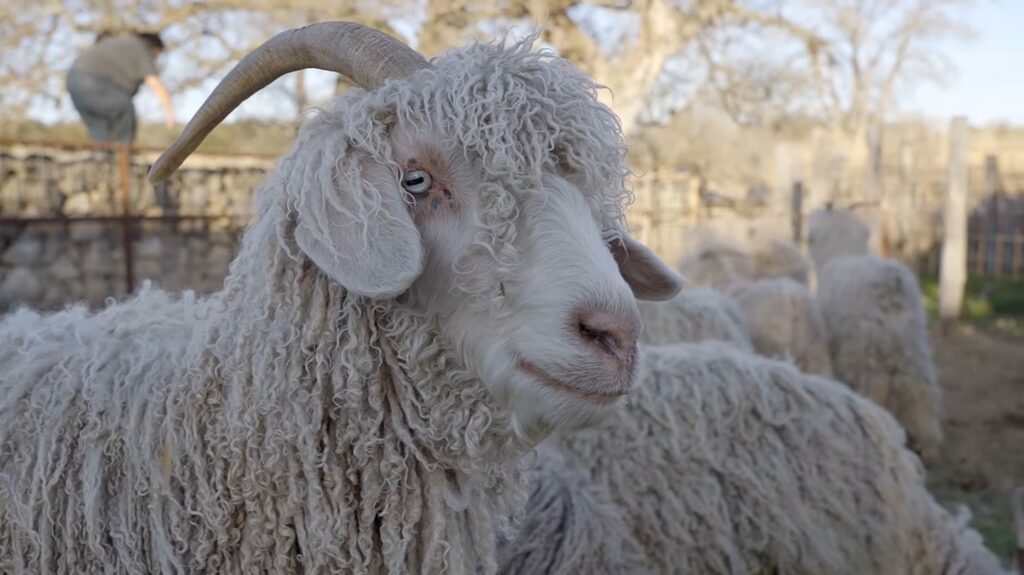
{"x": 718, "y": 264}
{"x": 833, "y": 232}
{"x": 486, "y": 189}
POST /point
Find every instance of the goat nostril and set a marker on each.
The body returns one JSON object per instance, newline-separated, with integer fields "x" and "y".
{"x": 612, "y": 333}
{"x": 609, "y": 342}
{"x": 589, "y": 332}
{"x": 605, "y": 339}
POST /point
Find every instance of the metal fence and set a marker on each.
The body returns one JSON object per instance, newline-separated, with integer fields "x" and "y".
{"x": 995, "y": 225}
{"x": 669, "y": 205}
{"x": 119, "y": 211}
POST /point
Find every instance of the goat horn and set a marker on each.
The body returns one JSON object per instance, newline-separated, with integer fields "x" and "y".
{"x": 364, "y": 55}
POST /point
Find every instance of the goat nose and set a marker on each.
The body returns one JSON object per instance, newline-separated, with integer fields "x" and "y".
{"x": 614, "y": 333}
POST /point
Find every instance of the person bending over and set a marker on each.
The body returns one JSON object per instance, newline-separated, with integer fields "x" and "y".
{"x": 104, "y": 79}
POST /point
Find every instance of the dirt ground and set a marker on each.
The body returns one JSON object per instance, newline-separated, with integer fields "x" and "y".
{"x": 982, "y": 376}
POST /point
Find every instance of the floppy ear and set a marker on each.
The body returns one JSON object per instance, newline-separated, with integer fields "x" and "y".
{"x": 354, "y": 224}
{"x": 643, "y": 270}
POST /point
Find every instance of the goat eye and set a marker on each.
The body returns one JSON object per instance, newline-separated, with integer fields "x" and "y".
{"x": 416, "y": 181}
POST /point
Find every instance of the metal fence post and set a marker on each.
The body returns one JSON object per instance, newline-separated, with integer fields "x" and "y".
{"x": 994, "y": 233}
{"x": 797, "y": 211}
{"x": 123, "y": 174}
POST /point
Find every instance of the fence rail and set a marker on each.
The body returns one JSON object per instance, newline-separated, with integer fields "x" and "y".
{"x": 669, "y": 205}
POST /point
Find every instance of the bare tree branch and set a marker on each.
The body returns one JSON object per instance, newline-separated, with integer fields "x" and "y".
{"x": 39, "y": 40}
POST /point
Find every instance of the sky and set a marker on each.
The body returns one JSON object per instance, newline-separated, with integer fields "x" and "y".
{"x": 985, "y": 85}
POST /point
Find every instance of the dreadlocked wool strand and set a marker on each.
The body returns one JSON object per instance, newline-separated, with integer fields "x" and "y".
{"x": 571, "y": 526}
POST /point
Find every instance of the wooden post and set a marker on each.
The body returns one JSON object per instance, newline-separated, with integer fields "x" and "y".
{"x": 873, "y": 169}
{"x": 789, "y": 172}
{"x": 1017, "y": 229}
{"x": 992, "y": 234}
{"x": 953, "y": 271}
{"x": 123, "y": 173}
{"x": 872, "y": 191}
{"x": 796, "y": 208}
{"x": 301, "y": 95}
{"x": 908, "y": 211}
{"x": 693, "y": 196}
{"x": 992, "y": 191}
{"x": 1018, "y": 247}
{"x": 655, "y": 215}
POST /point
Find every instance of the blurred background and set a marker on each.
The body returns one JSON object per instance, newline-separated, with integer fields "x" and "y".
{"x": 742, "y": 117}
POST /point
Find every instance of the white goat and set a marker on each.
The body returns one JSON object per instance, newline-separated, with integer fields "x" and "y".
{"x": 876, "y": 326}
{"x": 724, "y": 463}
{"x": 778, "y": 312}
{"x": 784, "y": 322}
{"x": 834, "y": 232}
{"x": 694, "y": 315}
{"x": 436, "y": 265}
{"x": 777, "y": 258}
{"x": 716, "y": 263}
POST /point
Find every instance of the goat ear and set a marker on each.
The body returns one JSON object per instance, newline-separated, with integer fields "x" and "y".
{"x": 648, "y": 276}
{"x": 354, "y": 224}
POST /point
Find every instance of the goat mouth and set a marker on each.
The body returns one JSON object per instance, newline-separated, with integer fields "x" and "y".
{"x": 599, "y": 397}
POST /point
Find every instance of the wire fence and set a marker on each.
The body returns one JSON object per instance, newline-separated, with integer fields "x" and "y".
{"x": 83, "y": 212}
{"x": 91, "y": 204}
{"x": 995, "y": 225}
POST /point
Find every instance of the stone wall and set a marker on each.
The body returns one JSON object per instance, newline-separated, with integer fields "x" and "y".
{"x": 185, "y": 239}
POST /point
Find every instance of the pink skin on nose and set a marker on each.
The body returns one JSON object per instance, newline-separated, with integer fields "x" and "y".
{"x": 612, "y": 333}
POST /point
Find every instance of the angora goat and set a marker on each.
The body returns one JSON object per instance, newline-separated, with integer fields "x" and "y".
{"x": 778, "y": 315}
{"x": 876, "y": 326}
{"x": 727, "y": 463}
{"x": 717, "y": 264}
{"x": 784, "y": 322}
{"x": 694, "y": 315}
{"x": 435, "y": 271}
{"x": 834, "y": 232}
{"x": 779, "y": 258}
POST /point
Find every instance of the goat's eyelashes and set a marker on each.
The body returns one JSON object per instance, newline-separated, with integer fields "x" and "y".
{"x": 416, "y": 182}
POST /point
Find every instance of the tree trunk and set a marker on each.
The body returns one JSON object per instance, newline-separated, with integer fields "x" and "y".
{"x": 631, "y": 76}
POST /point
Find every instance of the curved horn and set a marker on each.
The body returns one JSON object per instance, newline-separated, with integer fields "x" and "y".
{"x": 364, "y": 55}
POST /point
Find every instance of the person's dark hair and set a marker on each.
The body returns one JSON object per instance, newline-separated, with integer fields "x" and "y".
{"x": 151, "y": 38}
